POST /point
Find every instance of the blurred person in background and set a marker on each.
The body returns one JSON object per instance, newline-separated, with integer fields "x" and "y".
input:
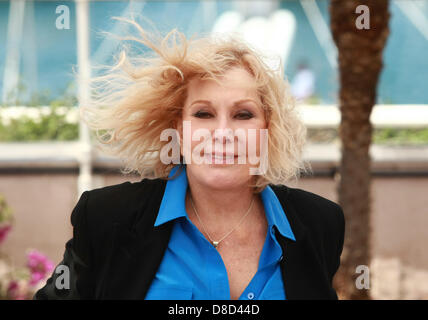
{"x": 303, "y": 83}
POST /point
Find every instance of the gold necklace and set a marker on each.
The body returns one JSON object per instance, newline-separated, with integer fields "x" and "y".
{"x": 216, "y": 243}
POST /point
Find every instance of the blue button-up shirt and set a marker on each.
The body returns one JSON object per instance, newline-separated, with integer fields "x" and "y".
{"x": 193, "y": 269}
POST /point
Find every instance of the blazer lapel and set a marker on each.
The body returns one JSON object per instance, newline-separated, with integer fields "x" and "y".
{"x": 301, "y": 268}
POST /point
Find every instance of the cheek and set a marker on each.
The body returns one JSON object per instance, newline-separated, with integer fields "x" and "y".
{"x": 256, "y": 135}
{"x": 195, "y": 134}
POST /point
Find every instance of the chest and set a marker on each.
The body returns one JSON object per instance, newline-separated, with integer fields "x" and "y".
{"x": 241, "y": 263}
{"x": 192, "y": 265}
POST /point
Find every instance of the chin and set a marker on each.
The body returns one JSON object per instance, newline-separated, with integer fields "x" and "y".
{"x": 222, "y": 176}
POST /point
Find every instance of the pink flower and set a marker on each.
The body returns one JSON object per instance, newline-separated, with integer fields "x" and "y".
{"x": 40, "y": 266}
{"x": 4, "y": 230}
{"x": 36, "y": 277}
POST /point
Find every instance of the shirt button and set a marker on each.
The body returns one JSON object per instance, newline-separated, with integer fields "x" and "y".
{"x": 250, "y": 295}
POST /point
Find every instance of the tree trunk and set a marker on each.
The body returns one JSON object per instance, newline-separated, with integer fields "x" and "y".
{"x": 360, "y": 63}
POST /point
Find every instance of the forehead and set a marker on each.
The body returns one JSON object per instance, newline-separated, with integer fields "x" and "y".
{"x": 236, "y": 83}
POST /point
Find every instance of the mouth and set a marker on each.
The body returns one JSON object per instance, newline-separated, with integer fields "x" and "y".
{"x": 221, "y": 157}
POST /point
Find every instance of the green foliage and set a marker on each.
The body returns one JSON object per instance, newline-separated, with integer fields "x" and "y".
{"x": 384, "y": 136}
{"x": 392, "y": 136}
{"x": 52, "y": 126}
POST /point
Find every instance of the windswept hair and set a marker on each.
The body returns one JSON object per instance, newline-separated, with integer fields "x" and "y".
{"x": 140, "y": 96}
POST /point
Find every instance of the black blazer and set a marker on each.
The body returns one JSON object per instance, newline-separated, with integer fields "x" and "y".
{"x": 116, "y": 250}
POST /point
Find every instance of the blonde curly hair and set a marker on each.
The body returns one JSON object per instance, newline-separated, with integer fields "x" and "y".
{"x": 140, "y": 96}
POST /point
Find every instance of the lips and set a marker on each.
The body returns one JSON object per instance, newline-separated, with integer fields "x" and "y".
{"x": 224, "y": 155}
{"x": 220, "y": 157}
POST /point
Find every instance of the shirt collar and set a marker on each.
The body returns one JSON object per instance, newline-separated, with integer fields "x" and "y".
{"x": 275, "y": 215}
{"x": 173, "y": 201}
{"x": 173, "y": 204}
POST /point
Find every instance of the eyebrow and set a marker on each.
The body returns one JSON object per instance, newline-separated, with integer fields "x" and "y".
{"x": 236, "y": 103}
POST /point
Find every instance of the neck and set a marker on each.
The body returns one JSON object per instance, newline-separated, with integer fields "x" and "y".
{"x": 221, "y": 209}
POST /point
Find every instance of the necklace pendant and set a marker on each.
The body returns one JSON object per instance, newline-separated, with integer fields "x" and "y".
{"x": 215, "y": 244}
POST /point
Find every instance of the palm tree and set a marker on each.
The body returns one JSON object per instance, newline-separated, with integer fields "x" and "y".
{"x": 360, "y": 63}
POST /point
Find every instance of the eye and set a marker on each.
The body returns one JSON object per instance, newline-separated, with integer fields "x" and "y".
{"x": 244, "y": 115}
{"x": 202, "y": 114}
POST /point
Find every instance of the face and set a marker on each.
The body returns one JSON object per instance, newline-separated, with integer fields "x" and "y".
{"x": 233, "y": 108}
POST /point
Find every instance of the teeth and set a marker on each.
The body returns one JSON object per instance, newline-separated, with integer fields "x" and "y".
{"x": 219, "y": 157}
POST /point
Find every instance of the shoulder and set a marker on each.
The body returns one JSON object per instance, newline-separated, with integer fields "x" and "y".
{"x": 124, "y": 192}
{"x": 314, "y": 206}
{"x": 99, "y": 210}
{"x": 315, "y": 212}
{"x": 121, "y": 202}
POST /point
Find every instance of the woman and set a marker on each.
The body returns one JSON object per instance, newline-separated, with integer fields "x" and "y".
{"x": 214, "y": 135}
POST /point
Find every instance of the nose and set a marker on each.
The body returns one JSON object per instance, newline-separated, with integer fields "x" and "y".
{"x": 223, "y": 135}
{"x": 222, "y": 131}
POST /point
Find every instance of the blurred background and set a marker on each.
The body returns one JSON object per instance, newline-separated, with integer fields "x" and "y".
{"x": 47, "y": 159}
